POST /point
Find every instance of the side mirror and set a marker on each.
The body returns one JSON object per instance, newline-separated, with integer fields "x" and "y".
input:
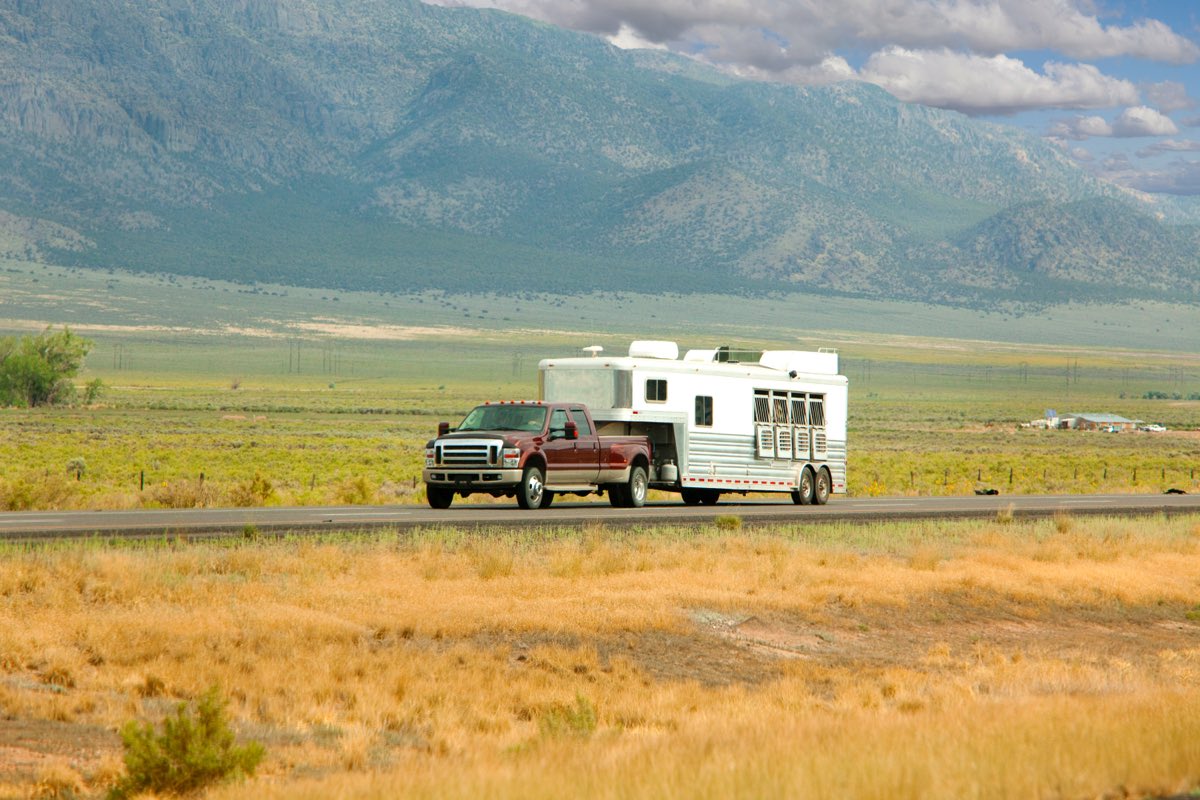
{"x": 572, "y": 430}
{"x": 443, "y": 428}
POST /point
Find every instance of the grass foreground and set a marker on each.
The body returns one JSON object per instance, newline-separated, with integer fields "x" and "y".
{"x": 1051, "y": 658}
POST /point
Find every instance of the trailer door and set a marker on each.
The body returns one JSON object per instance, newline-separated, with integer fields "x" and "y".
{"x": 781, "y": 418}
{"x": 801, "y": 438}
{"x": 764, "y": 433}
{"x": 816, "y": 419}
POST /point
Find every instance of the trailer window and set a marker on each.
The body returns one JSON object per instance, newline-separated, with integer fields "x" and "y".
{"x": 816, "y": 411}
{"x": 780, "y": 403}
{"x": 656, "y": 390}
{"x": 704, "y": 411}
{"x": 799, "y": 417}
{"x": 581, "y": 422}
{"x": 762, "y": 406}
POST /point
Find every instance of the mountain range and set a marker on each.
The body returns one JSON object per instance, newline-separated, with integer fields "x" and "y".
{"x": 393, "y": 146}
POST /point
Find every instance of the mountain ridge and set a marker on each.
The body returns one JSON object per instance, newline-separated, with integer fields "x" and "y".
{"x": 396, "y": 146}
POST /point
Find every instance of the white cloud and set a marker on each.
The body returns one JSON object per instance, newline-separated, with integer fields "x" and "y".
{"x": 1168, "y": 96}
{"x": 1143, "y": 121}
{"x": 1080, "y": 128}
{"x": 992, "y": 85}
{"x": 628, "y": 39}
{"x": 811, "y": 30}
{"x": 1181, "y": 177}
{"x": 1170, "y": 146}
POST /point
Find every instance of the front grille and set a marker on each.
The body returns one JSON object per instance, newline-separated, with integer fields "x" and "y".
{"x": 468, "y": 454}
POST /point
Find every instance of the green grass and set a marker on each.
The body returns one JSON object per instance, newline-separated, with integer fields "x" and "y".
{"x": 275, "y": 395}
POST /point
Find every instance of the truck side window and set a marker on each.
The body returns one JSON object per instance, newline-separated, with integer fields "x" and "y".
{"x": 558, "y": 421}
{"x": 581, "y": 422}
{"x": 704, "y": 411}
{"x": 656, "y": 390}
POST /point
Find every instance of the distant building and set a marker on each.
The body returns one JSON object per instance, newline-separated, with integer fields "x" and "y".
{"x": 1097, "y": 422}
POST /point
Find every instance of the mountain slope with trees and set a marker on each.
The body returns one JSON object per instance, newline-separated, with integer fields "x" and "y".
{"x": 390, "y": 145}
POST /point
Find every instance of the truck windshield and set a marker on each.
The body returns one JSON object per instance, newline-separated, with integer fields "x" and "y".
{"x": 530, "y": 419}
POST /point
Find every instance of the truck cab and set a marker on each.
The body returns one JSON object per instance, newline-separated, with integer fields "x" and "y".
{"x": 533, "y": 451}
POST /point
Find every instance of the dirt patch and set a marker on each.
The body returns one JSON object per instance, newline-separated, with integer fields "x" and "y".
{"x": 28, "y": 746}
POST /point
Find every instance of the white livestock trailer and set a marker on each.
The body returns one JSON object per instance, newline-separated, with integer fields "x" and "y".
{"x": 721, "y": 421}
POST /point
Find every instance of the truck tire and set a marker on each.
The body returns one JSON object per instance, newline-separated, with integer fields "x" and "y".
{"x": 616, "y": 495}
{"x": 439, "y": 497}
{"x": 532, "y": 491}
{"x": 634, "y": 493}
{"x": 803, "y": 494}
{"x": 822, "y": 487}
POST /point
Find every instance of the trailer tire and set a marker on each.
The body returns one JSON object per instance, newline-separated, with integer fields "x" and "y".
{"x": 634, "y": 492}
{"x": 802, "y": 495}
{"x": 822, "y": 487}
{"x": 532, "y": 491}
{"x": 439, "y": 497}
{"x": 709, "y": 497}
{"x": 690, "y": 497}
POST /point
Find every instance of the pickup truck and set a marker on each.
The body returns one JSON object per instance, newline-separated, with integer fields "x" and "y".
{"x": 533, "y": 451}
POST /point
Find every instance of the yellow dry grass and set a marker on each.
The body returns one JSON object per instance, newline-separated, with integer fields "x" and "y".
{"x": 1052, "y": 659}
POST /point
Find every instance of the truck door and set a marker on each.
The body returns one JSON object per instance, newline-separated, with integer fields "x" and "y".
{"x": 559, "y": 450}
{"x": 587, "y": 448}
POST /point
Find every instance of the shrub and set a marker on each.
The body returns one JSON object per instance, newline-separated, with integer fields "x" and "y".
{"x": 561, "y": 719}
{"x": 37, "y": 370}
{"x": 256, "y": 491}
{"x": 728, "y": 522}
{"x": 195, "y": 750}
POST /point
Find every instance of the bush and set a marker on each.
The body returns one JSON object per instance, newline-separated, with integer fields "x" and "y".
{"x": 561, "y": 719}
{"x": 37, "y": 370}
{"x": 194, "y": 751}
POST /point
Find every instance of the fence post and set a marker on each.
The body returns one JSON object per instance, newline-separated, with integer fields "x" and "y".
{"x": 1010, "y": 476}
{"x": 142, "y": 481}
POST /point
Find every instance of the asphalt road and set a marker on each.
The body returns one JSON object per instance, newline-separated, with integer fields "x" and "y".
{"x": 215, "y": 521}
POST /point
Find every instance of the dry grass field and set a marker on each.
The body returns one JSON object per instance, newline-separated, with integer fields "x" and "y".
{"x": 1056, "y": 658}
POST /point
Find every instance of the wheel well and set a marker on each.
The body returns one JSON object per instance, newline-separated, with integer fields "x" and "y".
{"x": 640, "y": 461}
{"x": 536, "y": 460}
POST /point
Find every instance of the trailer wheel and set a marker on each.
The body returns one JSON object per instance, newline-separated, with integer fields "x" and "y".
{"x": 439, "y": 497}
{"x": 803, "y": 495}
{"x": 690, "y": 497}
{"x": 822, "y": 487}
{"x": 532, "y": 491}
{"x": 635, "y": 491}
{"x": 710, "y": 497}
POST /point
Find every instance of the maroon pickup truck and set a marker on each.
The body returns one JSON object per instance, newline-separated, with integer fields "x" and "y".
{"x": 534, "y": 451}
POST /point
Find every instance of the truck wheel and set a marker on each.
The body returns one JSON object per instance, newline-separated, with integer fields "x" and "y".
{"x": 616, "y": 495}
{"x": 822, "y": 487}
{"x": 690, "y": 497}
{"x": 710, "y": 497}
{"x": 803, "y": 495}
{"x": 532, "y": 491}
{"x": 439, "y": 497}
{"x": 635, "y": 491}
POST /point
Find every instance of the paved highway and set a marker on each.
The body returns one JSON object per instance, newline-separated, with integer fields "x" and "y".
{"x": 215, "y": 521}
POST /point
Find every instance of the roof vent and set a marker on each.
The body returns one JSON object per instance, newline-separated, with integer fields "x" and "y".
{"x": 649, "y": 348}
{"x": 594, "y": 350}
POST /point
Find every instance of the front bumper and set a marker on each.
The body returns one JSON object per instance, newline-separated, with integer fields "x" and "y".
{"x": 475, "y": 479}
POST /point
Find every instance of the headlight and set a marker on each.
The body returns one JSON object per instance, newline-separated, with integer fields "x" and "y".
{"x": 429, "y": 457}
{"x": 512, "y": 457}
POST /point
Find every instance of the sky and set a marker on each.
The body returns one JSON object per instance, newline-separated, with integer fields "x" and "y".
{"x": 1114, "y": 83}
